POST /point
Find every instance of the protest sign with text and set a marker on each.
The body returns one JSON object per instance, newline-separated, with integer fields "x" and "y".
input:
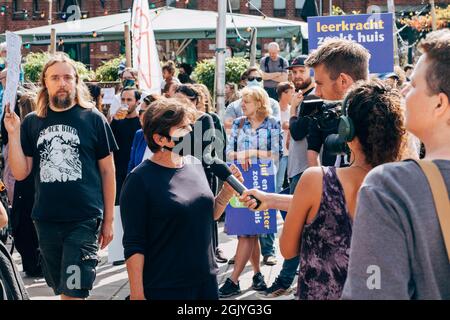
{"x": 374, "y": 32}
{"x": 242, "y": 221}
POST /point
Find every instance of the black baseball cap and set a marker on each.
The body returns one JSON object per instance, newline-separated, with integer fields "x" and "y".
{"x": 298, "y": 61}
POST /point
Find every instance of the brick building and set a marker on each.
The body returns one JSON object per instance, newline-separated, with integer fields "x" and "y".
{"x": 22, "y": 14}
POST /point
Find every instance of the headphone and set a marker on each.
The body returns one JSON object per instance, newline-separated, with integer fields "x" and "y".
{"x": 346, "y": 128}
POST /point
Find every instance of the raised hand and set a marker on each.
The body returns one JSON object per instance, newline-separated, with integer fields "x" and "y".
{"x": 12, "y": 121}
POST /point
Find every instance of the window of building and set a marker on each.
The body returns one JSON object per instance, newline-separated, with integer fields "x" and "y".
{"x": 17, "y": 5}
{"x": 279, "y": 8}
{"x": 35, "y": 6}
{"x": 192, "y": 4}
{"x": 298, "y": 7}
{"x": 125, "y": 5}
{"x": 254, "y": 7}
{"x": 19, "y": 11}
{"x": 235, "y": 5}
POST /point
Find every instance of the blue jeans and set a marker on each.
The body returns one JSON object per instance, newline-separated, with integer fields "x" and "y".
{"x": 282, "y": 167}
{"x": 267, "y": 247}
{"x": 287, "y": 273}
{"x": 294, "y": 181}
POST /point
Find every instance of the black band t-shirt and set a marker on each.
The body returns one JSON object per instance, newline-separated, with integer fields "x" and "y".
{"x": 65, "y": 147}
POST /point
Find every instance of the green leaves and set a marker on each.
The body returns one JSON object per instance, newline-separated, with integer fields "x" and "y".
{"x": 108, "y": 71}
{"x": 34, "y": 64}
{"x": 205, "y": 71}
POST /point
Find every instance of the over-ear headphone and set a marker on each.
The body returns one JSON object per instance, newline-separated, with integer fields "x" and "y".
{"x": 346, "y": 128}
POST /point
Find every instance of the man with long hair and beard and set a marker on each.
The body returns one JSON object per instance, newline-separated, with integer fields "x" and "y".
{"x": 74, "y": 201}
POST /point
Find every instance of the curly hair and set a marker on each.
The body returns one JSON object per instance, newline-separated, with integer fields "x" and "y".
{"x": 259, "y": 96}
{"x": 376, "y": 112}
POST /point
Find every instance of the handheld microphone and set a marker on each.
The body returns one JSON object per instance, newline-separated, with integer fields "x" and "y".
{"x": 221, "y": 170}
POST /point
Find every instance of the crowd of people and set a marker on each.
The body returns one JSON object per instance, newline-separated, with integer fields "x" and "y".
{"x": 343, "y": 145}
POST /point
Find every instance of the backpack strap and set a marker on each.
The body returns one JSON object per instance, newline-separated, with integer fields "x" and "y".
{"x": 241, "y": 125}
{"x": 266, "y": 63}
{"x": 440, "y": 196}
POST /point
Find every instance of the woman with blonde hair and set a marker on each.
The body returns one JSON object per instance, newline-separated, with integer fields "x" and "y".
{"x": 257, "y": 136}
{"x": 231, "y": 93}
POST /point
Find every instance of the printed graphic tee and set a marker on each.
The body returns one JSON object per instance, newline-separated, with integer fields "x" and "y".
{"x": 65, "y": 147}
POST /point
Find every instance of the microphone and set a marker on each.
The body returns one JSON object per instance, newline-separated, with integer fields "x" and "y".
{"x": 221, "y": 170}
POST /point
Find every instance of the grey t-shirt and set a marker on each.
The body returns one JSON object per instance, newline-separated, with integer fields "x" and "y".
{"x": 397, "y": 235}
{"x": 279, "y": 65}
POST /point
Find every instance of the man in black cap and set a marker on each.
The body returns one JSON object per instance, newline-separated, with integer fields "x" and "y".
{"x": 298, "y": 125}
{"x": 297, "y": 164}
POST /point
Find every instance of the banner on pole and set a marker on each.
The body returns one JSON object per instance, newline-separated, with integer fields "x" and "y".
{"x": 372, "y": 31}
{"x": 145, "y": 53}
{"x": 13, "y": 59}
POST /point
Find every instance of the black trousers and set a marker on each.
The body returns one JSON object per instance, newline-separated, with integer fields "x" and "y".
{"x": 214, "y": 185}
{"x": 23, "y": 230}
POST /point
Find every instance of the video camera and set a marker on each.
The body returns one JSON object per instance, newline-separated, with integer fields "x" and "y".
{"x": 327, "y": 115}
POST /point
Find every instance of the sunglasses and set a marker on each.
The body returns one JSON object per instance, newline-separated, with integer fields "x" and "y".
{"x": 259, "y": 79}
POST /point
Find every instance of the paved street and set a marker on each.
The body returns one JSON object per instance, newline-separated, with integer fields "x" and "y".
{"x": 112, "y": 281}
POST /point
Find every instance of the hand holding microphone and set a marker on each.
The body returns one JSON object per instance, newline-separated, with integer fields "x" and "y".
{"x": 221, "y": 170}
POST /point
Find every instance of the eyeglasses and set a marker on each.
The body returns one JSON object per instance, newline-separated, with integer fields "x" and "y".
{"x": 66, "y": 78}
{"x": 259, "y": 79}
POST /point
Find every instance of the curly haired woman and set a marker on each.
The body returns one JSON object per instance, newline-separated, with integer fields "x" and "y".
{"x": 319, "y": 222}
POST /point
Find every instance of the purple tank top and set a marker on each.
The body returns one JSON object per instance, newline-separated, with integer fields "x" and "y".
{"x": 325, "y": 244}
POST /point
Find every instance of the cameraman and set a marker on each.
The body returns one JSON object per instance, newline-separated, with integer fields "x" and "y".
{"x": 337, "y": 64}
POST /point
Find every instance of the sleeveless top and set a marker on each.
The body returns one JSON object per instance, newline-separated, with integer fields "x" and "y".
{"x": 325, "y": 244}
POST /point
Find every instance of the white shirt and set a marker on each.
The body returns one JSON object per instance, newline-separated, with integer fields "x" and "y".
{"x": 284, "y": 117}
{"x": 147, "y": 154}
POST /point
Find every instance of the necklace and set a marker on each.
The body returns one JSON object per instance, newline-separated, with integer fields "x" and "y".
{"x": 356, "y": 166}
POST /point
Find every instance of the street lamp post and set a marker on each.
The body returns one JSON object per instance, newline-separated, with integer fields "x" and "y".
{"x": 221, "y": 43}
{"x": 391, "y": 8}
{"x": 50, "y": 11}
{"x": 433, "y": 15}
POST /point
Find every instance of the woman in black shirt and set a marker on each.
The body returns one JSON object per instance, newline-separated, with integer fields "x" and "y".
{"x": 167, "y": 209}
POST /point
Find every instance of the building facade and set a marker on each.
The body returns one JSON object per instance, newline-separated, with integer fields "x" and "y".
{"x": 21, "y": 14}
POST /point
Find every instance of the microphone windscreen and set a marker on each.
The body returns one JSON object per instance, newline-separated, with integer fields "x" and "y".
{"x": 220, "y": 169}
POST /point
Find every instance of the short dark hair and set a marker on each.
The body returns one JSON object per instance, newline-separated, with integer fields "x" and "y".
{"x": 148, "y": 100}
{"x": 137, "y": 93}
{"x": 189, "y": 91}
{"x": 160, "y": 117}
{"x": 283, "y": 87}
{"x": 436, "y": 46}
{"x": 341, "y": 56}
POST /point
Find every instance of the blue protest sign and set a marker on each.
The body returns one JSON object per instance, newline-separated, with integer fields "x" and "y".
{"x": 372, "y": 31}
{"x": 241, "y": 221}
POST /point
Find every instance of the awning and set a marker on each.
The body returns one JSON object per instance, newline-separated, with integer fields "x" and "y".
{"x": 168, "y": 23}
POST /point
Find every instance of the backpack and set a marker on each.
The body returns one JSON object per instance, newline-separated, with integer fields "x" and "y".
{"x": 266, "y": 63}
{"x": 11, "y": 284}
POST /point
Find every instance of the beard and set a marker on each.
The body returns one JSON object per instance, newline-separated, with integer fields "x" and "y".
{"x": 63, "y": 102}
{"x": 301, "y": 85}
